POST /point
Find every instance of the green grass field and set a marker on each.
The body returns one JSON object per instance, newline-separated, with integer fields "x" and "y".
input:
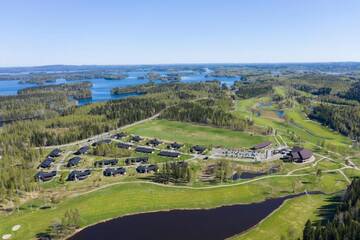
{"x": 143, "y": 197}
{"x": 196, "y": 134}
{"x": 288, "y": 221}
{"x": 309, "y": 131}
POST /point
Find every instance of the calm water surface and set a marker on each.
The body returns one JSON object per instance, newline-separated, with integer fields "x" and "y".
{"x": 101, "y": 89}
{"x": 213, "y": 224}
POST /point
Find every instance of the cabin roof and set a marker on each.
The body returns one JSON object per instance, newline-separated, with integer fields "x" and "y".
{"x": 124, "y": 145}
{"x": 55, "y": 153}
{"x": 176, "y": 145}
{"x": 198, "y": 148}
{"x": 261, "y": 145}
{"x": 144, "y": 150}
{"x": 169, "y": 154}
{"x": 136, "y": 138}
{"x": 154, "y": 142}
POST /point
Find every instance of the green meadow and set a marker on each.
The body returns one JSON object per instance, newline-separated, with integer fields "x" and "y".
{"x": 196, "y": 134}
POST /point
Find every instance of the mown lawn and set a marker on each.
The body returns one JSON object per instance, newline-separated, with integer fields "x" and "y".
{"x": 288, "y": 221}
{"x": 129, "y": 198}
{"x": 196, "y": 134}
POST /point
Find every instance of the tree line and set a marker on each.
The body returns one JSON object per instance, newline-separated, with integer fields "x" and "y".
{"x": 344, "y": 119}
{"x": 346, "y": 222}
{"x": 199, "y": 113}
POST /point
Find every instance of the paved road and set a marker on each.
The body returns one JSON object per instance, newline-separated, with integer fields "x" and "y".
{"x": 102, "y": 135}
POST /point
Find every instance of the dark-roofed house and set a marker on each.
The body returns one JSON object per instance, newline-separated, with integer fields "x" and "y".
{"x": 73, "y": 161}
{"x": 45, "y": 176}
{"x": 129, "y": 161}
{"x": 104, "y": 141}
{"x": 198, "y": 149}
{"x": 47, "y": 163}
{"x": 175, "y": 145}
{"x": 145, "y": 169}
{"x": 299, "y": 154}
{"x": 136, "y": 138}
{"x": 144, "y": 150}
{"x": 124, "y": 145}
{"x": 82, "y": 150}
{"x": 101, "y": 163}
{"x": 152, "y": 168}
{"x": 141, "y": 169}
{"x": 154, "y": 142}
{"x": 118, "y": 135}
{"x": 78, "y": 175}
{"x": 261, "y": 145}
{"x": 169, "y": 154}
{"x": 55, "y": 153}
{"x": 114, "y": 171}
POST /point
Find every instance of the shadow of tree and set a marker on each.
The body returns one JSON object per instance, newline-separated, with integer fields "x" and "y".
{"x": 327, "y": 212}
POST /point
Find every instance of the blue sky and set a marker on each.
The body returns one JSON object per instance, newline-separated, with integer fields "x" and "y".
{"x": 41, "y": 32}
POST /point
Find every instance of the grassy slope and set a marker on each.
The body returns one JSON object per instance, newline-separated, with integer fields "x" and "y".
{"x": 290, "y": 217}
{"x": 195, "y": 134}
{"x": 139, "y": 197}
{"x": 308, "y": 130}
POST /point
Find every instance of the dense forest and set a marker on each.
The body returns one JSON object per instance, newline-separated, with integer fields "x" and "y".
{"x": 249, "y": 90}
{"x": 204, "y": 114}
{"x": 346, "y": 222}
{"x": 345, "y": 119}
{"x": 42, "y": 102}
{"x": 353, "y": 93}
{"x": 129, "y": 110}
{"x": 34, "y": 106}
{"x": 74, "y": 90}
{"x": 313, "y": 89}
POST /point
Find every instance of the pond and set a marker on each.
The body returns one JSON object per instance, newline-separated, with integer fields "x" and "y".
{"x": 211, "y": 224}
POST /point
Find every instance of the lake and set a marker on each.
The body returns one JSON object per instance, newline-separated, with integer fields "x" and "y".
{"x": 101, "y": 89}
{"x": 211, "y": 224}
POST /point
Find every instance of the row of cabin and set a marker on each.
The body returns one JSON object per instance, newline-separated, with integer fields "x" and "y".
{"x": 133, "y": 160}
{"x": 74, "y": 175}
{"x": 114, "y": 171}
{"x": 49, "y": 160}
{"x": 102, "y": 163}
{"x": 147, "y": 169}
